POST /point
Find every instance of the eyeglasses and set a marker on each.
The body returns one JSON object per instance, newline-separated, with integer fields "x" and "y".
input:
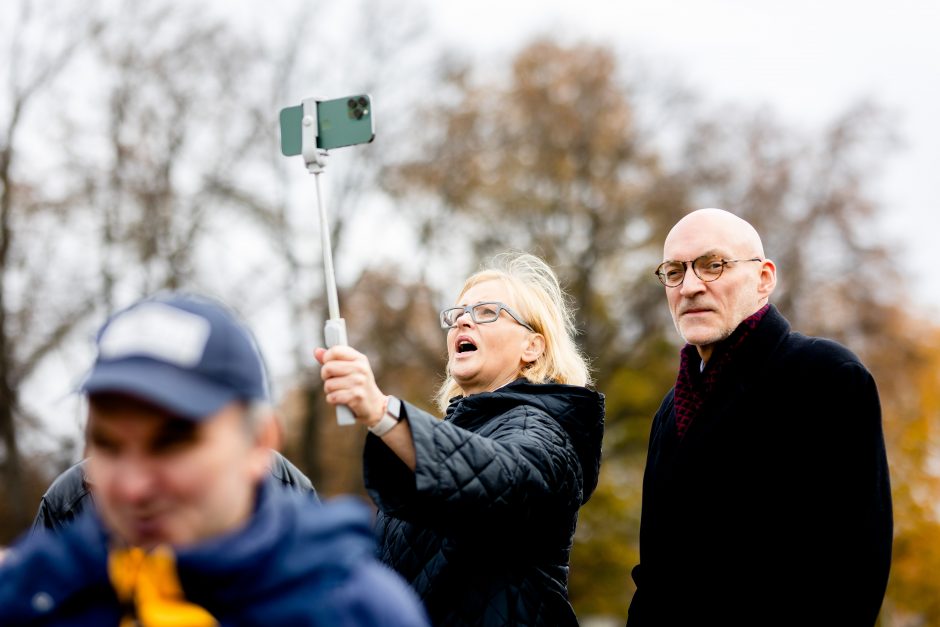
{"x": 481, "y": 313}
{"x": 707, "y": 268}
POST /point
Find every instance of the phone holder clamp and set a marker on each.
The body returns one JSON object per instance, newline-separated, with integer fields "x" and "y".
{"x": 314, "y": 157}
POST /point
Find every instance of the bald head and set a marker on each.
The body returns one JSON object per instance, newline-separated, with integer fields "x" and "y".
{"x": 717, "y": 226}
{"x": 706, "y": 311}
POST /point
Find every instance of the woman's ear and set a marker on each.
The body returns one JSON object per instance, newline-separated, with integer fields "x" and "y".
{"x": 535, "y": 347}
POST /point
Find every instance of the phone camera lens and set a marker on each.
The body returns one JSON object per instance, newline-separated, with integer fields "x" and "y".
{"x": 362, "y": 101}
{"x": 358, "y": 113}
{"x": 351, "y": 103}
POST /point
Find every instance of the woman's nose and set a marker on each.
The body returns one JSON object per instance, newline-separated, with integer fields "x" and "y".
{"x": 464, "y": 319}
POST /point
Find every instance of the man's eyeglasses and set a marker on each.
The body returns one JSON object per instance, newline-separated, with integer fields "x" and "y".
{"x": 707, "y": 268}
{"x": 481, "y": 313}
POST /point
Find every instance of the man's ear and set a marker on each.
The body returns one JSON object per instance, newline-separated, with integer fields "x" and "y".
{"x": 768, "y": 279}
{"x": 267, "y": 438}
{"x": 534, "y": 349}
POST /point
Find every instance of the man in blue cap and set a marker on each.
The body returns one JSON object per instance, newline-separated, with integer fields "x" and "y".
{"x": 189, "y": 527}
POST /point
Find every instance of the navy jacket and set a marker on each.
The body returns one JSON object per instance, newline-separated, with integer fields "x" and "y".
{"x": 483, "y": 528}
{"x": 294, "y": 563}
{"x": 775, "y": 508}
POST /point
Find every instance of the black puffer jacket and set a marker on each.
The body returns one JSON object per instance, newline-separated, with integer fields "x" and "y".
{"x": 483, "y": 528}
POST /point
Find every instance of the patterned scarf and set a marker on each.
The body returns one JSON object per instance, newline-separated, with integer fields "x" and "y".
{"x": 148, "y": 586}
{"x": 692, "y": 388}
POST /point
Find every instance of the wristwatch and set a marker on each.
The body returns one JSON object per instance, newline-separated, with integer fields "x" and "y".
{"x": 389, "y": 419}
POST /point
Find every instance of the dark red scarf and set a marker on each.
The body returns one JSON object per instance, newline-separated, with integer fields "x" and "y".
{"x": 692, "y": 388}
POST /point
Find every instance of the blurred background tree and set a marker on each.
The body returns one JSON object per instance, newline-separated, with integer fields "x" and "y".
{"x": 139, "y": 153}
{"x": 37, "y": 312}
{"x": 168, "y": 176}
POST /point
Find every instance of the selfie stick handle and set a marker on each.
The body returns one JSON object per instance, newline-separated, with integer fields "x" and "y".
{"x": 334, "y": 330}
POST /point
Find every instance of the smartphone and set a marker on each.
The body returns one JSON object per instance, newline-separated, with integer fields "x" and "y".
{"x": 340, "y": 122}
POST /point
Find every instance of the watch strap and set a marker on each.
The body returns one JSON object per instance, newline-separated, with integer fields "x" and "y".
{"x": 390, "y": 417}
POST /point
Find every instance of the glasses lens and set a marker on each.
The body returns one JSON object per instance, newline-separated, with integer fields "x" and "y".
{"x": 672, "y": 273}
{"x": 708, "y": 268}
{"x": 449, "y": 317}
{"x": 485, "y": 312}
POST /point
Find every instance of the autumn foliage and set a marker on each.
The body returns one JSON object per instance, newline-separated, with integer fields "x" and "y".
{"x": 568, "y": 151}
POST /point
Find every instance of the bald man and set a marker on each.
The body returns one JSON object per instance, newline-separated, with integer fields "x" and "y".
{"x": 765, "y": 498}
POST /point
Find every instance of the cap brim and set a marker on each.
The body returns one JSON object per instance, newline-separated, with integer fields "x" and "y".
{"x": 178, "y": 392}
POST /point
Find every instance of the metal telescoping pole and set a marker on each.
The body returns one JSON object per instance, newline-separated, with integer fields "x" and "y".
{"x": 334, "y": 329}
{"x": 330, "y": 275}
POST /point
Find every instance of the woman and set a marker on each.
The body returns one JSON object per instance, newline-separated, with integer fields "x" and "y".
{"x": 478, "y": 510}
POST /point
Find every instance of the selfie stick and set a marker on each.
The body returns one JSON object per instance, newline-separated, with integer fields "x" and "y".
{"x": 334, "y": 330}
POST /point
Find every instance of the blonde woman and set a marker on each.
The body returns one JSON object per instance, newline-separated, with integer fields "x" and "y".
{"x": 478, "y": 510}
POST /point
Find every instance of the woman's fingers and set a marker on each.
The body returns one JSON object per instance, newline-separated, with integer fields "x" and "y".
{"x": 340, "y": 354}
{"x": 332, "y": 369}
{"x": 345, "y": 381}
{"x": 348, "y": 380}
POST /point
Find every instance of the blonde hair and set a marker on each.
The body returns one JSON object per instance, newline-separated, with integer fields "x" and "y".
{"x": 543, "y": 304}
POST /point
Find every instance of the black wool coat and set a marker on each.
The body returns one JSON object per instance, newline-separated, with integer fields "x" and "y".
{"x": 775, "y": 508}
{"x": 483, "y": 528}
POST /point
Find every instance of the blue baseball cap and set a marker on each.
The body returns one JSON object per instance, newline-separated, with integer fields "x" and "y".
{"x": 184, "y": 353}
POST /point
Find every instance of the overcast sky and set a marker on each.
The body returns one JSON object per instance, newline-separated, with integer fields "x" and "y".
{"x": 808, "y": 60}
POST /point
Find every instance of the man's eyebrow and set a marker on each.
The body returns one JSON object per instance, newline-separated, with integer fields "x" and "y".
{"x": 711, "y": 252}
{"x": 176, "y": 430}
{"x": 95, "y": 433}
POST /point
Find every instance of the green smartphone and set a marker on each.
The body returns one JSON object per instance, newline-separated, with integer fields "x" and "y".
{"x": 340, "y": 122}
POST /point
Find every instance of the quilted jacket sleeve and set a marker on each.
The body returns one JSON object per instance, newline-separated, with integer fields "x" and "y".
{"x": 520, "y": 464}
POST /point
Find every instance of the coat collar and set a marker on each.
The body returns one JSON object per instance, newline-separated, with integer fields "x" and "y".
{"x": 742, "y": 372}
